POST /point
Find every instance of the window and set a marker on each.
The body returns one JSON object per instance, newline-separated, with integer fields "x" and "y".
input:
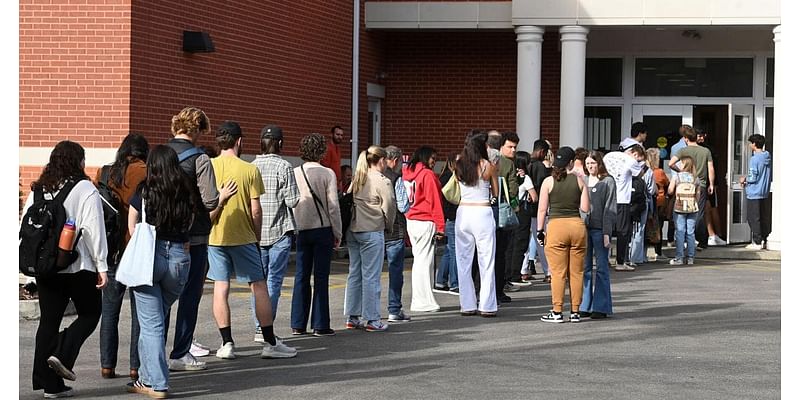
{"x": 604, "y": 77}
{"x": 602, "y": 127}
{"x": 770, "y": 77}
{"x": 697, "y": 77}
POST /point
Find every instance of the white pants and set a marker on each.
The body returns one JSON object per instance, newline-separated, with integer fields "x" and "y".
{"x": 475, "y": 227}
{"x": 421, "y": 234}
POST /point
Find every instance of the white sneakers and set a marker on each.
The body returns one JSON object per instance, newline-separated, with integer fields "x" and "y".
{"x": 280, "y": 350}
{"x": 753, "y": 246}
{"x": 226, "y": 352}
{"x": 198, "y": 350}
{"x": 716, "y": 241}
{"x": 187, "y": 363}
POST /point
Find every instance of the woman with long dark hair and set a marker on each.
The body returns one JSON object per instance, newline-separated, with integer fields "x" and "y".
{"x": 123, "y": 176}
{"x": 596, "y": 302}
{"x": 477, "y": 180}
{"x": 169, "y": 202}
{"x": 55, "y": 353}
{"x": 425, "y": 223}
{"x": 564, "y": 194}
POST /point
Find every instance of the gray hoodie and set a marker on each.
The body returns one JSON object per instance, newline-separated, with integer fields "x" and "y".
{"x": 603, "y": 205}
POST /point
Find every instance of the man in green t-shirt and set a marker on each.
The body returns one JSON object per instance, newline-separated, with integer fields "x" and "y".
{"x": 703, "y": 164}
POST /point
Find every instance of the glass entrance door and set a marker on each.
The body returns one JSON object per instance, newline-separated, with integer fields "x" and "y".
{"x": 740, "y": 127}
{"x": 662, "y": 123}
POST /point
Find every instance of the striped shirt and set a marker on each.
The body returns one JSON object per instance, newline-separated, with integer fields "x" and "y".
{"x": 280, "y": 194}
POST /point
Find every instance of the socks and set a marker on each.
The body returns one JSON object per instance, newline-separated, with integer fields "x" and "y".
{"x": 269, "y": 335}
{"x": 226, "y": 334}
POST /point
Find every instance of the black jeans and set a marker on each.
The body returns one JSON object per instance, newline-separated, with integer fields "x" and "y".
{"x": 520, "y": 239}
{"x": 759, "y": 225}
{"x": 502, "y": 241}
{"x": 701, "y": 230}
{"x": 54, "y": 295}
{"x": 623, "y": 229}
{"x": 113, "y": 294}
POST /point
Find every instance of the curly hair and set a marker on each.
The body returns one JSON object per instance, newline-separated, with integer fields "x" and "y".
{"x": 313, "y": 147}
{"x": 66, "y": 162}
{"x": 190, "y": 121}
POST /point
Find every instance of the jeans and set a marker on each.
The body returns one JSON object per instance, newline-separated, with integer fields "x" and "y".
{"x": 314, "y": 252}
{"x": 535, "y": 248}
{"x": 274, "y": 261}
{"x": 113, "y": 294}
{"x": 395, "y": 256}
{"x": 170, "y": 273}
{"x": 447, "y": 265}
{"x": 597, "y": 292}
{"x": 189, "y": 302}
{"x": 684, "y": 233}
{"x": 638, "y": 247}
{"x": 757, "y": 211}
{"x": 362, "y": 295}
{"x": 520, "y": 242}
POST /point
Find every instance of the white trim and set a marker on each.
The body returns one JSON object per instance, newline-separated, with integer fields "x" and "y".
{"x": 39, "y": 156}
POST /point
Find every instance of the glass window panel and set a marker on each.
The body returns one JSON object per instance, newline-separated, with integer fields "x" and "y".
{"x": 769, "y": 114}
{"x": 697, "y": 77}
{"x": 738, "y": 218}
{"x": 604, "y": 77}
{"x": 770, "y": 77}
{"x": 602, "y": 127}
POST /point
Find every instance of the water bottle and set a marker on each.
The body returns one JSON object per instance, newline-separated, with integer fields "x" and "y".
{"x": 65, "y": 244}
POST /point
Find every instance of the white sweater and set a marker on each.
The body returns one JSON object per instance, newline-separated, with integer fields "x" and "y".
{"x": 83, "y": 204}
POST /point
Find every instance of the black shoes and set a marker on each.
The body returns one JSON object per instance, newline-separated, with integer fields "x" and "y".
{"x": 598, "y": 315}
{"x": 324, "y": 332}
{"x": 504, "y": 298}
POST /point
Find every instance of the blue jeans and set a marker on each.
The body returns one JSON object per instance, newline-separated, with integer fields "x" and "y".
{"x": 395, "y": 256}
{"x": 535, "y": 248}
{"x": 189, "y": 302}
{"x": 274, "y": 261}
{"x": 362, "y": 295}
{"x": 447, "y": 265}
{"x": 314, "y": 252}
{"x": 597, "y": 293}
{"x": 684, "y": 233}
{"x": 638, "y": 240}
{"x": 170, "y": 272}
{"x": 113, "y": 294}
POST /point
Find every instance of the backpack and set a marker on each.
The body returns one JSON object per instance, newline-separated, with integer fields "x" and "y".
{"x": 686, "y": 194}
{"x": 40, "y": 232}
{"x": 638, "y": 197}
{"x": 113, "y": 217}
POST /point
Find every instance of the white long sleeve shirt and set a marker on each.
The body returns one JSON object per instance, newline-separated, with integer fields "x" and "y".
{"x": 83, "y": 205}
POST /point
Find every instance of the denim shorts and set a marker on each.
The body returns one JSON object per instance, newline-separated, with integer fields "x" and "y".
{"x": 242, "y": 261}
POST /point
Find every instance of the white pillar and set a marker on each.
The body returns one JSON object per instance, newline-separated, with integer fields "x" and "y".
{"x": 774, "y": 238}
{"x": 573, "y": 70}
{"x": 529, "y": 85}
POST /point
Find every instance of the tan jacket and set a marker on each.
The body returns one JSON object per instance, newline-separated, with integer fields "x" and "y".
{"x": 375, "y": 205}
{"x": 323, "y": 181}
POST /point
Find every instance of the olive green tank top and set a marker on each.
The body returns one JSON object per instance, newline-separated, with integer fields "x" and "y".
{"x": 565, "y": 197}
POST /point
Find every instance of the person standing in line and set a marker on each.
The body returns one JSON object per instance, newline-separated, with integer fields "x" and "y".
{"x": 233, "y": 243}
{"x": 395, "y": 239}
{"x": 167, "y": 200}
{"x": 55, "y": 353}
{"x": 425, "y": 224}
{"x": 187, "y": 127}
{"x": 277, "y": 227}
{"x": 681, "y": 143}
{"x": 319, "y": 231}
{"x": 374, "y": 212}
{"x": 565, "y": 244}
{"x": 333, "y": 156}
{"x": 638, "y": 249}
{"x": 707, "y": 232}
{"x": 623, "y": 166}
{"x": 447, "y": 273}
{"x": 704, "y": 168}
{"x": 123, "y": 176}
{"x": 506, "y": 143}
{"x": 756, "y": 184}
{"x": 596, "y": 302}
{"x": 526, "y": 195}
{"x": 659, "y": 201}
{"x": 475, "y": 226}
{"x": 685, "y": 186}
{"x": 538, "y": 172}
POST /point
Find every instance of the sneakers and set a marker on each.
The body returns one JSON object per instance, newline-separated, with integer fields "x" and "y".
{"x": 258, "y": 337}
{"x": 454, "y": 291}
{"x": 598, "y": 315}
{"x": 670, "y": 244}
{"x": 574, "y": 317}
{"x": 354, "y": 323}
{"x": 138, "y": 387}
{"x": 299, "y": 332}
{"x": 186, "y": 363}
{"x": 376, "y": 326}
{"x": 279, "y": 350}
{"x": 67, "y": 392}
{"x": 716, "y": 241}
{"x": 676, "y": 261}
{"x": 226, "y": 351}
{"x": 441, "y": 289}
{"x": 521, "y": 283}
{"x": 60, "y": 369}
{"x": 198, "y": 350}
{"x": 689, "y": 261}
{"x": 624, "y": 267}
{"x": 511, "y": 288}
{"x": 553, "y": 316}
{"x": 399, "y": 317}
{"x": 753, "y": 246}
{"x": 324, "y": 332}
{"x": 504, "y": 299}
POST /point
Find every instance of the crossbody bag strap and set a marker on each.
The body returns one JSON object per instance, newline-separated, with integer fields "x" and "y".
{"x": 317, "y": 201}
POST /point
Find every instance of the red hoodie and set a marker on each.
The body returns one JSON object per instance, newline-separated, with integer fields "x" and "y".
{"x": 427, "y": 196}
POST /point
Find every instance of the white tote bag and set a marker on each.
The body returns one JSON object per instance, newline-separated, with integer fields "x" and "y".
{"x": 136, "y": 266}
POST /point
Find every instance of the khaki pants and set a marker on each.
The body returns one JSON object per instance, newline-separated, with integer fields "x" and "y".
{"x": 565, "y": 248}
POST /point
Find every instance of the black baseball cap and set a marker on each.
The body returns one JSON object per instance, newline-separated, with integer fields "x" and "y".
{"x": 563, "y": 156}
{"x": 272, "y": 132}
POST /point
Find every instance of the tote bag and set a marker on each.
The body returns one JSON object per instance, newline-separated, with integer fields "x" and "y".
{"x": 506, "y": 218}
{"x": 136, "y": 266}
{"x": 452, "y": 190}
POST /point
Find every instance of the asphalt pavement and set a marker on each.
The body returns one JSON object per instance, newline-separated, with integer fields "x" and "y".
{"x": 707, "y": 331}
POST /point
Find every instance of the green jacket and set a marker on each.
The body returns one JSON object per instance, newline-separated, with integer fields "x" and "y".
{"x": 509, "y": 174}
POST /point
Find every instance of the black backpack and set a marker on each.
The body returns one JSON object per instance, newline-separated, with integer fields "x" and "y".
{"x": 113, "y": 217}
{"x": 40, "y": 232}
{"x": 638, "y": 197}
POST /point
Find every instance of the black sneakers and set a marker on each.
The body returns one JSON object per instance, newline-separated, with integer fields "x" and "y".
{"x": 552, "y": 316}
{"x": 574, "y": 317}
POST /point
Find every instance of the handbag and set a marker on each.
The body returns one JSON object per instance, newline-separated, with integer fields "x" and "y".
{"x": 136, "y": 266}
{"x": 506, "y": 217}
{"x": 452, "y": 190}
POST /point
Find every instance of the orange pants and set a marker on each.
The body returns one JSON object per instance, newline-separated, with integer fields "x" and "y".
{"x": 565, "y": 249}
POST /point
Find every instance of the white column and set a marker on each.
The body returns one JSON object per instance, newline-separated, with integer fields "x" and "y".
{"x": 529, "y": 85}
{"x": 573, "y": 70}
{"x": 774, "y": 239}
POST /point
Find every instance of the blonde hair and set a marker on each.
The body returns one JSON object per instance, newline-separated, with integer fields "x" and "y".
{"x": 688, "y": 165}
{"x": 366, "y": 159}
{"x": 653, "y": 158}
{"x": 190, "y": 121}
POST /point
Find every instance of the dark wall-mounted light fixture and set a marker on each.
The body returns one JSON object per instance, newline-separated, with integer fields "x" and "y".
{"x": 197, "y": 42}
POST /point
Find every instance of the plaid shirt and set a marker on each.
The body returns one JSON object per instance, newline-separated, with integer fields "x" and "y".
{"x": 280, "y": 194}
